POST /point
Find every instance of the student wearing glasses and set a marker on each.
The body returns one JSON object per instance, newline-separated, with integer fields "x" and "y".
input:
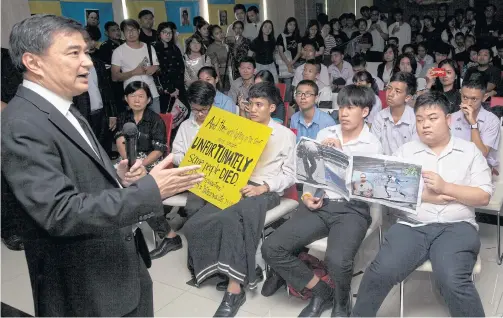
{"x": 309, "y": 120}
{"x": 201, "y": 96}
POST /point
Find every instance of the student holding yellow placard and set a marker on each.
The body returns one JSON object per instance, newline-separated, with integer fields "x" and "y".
{"x": 225, "y": 241}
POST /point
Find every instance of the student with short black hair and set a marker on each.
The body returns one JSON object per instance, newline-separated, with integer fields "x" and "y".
{"x": 240, "y": 15}
{"x": 492, "y": 75}
{"x": 147, "y": 33}
{"x": 113, "y": 33}
{"x": 253, "y": 23}
{"x": 309, "y": 53}
{"x": 359, "y": 64}
{"x": 457, "y": 179}
{"x": 222, "y": 101}
{"x": 309, "y": 120}
{"x": 201, "y": 97}
{"x": 474, "y": 123}
{"x": 339, "y": 68}
{"x": 226, "y": 241}
{"x": 396, "y": 124}
{"x": 365, "y": 79}
{"x": 345, "y": 223}
{"x": 132, "y": 61}
{"x": 240, "y": 86}
{"x": 279, "y": 113}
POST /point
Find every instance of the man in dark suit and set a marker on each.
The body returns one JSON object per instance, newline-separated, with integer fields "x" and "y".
{"x": 85, "y": 254}
{"x": 98, "y": 103}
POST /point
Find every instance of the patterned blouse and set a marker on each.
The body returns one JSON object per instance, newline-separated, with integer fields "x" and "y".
{"x": 172, "y": 66}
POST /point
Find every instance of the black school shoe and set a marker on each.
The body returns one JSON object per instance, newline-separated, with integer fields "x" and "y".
{"x": 230, "y": 305}
{"x": 167, "y": 245}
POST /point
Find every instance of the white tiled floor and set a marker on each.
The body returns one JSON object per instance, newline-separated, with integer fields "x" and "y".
{"x": 174, "y": 298}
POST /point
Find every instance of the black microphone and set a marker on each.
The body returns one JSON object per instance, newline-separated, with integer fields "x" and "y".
{"x": 131, "y": 134}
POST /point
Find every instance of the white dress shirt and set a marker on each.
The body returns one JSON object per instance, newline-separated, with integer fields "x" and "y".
{"x": 366, "y": 144}
{"x": 377, "y": 39}
{"x": 251, "y": 30}
{"x": 403, "y": 34}
{"x": 183, "y": 139}
{"x": 393, "y": 135}
{"x": 94, "y": 91}
{"x": 322, "y": 81}
{"x": 60, "y": 104}
{"x": 277, "y": 164}
{"x": 460, "y": 163}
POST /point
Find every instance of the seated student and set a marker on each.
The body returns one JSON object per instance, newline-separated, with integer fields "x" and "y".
{"x": 394, "y": 41}
{"x": 222, "y": 101}
{"x": 359, "y": 64}
{"x": 201, "y": 96}
{"x": 266, "y": 76}
{"x": 309, "y": 120}
{"x": 473, "y": 123}
{"x": 472, "y": 52}
{"x": 241, "y": 85}
{"x": 345, "y": 223}
{"x": 365, "y": 79}
{"x": 442, "y": 52}
{"x": 457, "y": 179}
{"x": 311, "y": 72}
{"x": 309, "y": 54}
{"x": 226, "y": 241}
{"x": 339, "y": 68}
{"x": 422, "y": 57}
{"x": 491, "y": 73}
{"x": 396, "y": 124}
{"x": 449, "y": 84}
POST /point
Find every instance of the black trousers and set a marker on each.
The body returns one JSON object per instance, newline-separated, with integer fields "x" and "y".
{"x": 452, "y": 249}
{"x": 345, "y": 224}
{"x": 159, "y": 223}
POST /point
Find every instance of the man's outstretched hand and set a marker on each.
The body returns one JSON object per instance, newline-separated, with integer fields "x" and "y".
{"x": 172, "y": 181}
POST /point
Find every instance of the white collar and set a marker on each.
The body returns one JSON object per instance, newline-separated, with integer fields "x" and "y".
{"x": 61, "y": 104}
{"x": 365, "y": 135}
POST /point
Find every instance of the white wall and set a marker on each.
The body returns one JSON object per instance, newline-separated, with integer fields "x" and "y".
{"x": 13, "y": 11}
{"x": 278, "y": 11}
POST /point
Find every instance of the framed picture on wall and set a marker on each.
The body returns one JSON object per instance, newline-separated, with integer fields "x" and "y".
{"x": 222, "y": 17}
{"x": 185, "y": 16}
{"x": 92, "y": 17}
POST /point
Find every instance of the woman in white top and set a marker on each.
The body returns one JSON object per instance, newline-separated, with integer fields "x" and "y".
{"x": 385, "y": 69}
{"x": 195, "y": 58}
{"x": 450, "y": 32}
{"x": 364, "y": 78}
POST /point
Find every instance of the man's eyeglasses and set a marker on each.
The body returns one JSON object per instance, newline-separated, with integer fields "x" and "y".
{"x": 306, "y": 95}
{"x": 201, "y": 111}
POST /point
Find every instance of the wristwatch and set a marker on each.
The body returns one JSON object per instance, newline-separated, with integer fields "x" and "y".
{"x": 475, "y": 126}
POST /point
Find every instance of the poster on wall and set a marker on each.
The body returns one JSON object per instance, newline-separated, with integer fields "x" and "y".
{"x": 222, "y": 17}
{"x": 92, "y": 13}
{"x": 182, "y": 13}
{"x": 185, "y": 16}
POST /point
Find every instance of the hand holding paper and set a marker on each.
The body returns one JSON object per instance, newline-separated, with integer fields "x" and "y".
{"x": 434, "y": 182}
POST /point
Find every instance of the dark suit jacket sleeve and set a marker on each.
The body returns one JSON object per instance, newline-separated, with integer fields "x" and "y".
{"x": 33, "y": 169}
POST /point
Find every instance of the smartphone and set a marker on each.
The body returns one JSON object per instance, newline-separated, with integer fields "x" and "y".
{"x": 320, "y": 193}
{"x": 439, "y": 72}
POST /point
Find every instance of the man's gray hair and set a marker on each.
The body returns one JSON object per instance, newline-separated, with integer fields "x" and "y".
{"x": 35, "y": 35}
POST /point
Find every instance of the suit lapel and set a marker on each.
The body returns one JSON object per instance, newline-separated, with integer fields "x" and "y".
{"x": 62, "y": 123}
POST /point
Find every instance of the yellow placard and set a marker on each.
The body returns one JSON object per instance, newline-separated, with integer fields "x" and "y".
{"x": 227, "y": 147}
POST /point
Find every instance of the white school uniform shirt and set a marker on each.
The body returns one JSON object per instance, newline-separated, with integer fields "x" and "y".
{"x": 251, "y": 30}
{"x": 489, "y": 129}
{"x": 374, "y": 111}
{"x": 128, "y": 59}
{"x": 346, "y": 73}
{"x": 403, "y": 35}
{"x": 459, "y": 163}
{"x": 377, "y": 39}
{"x": 322, "y": 81}
{"x": 392, "y": 136}
{"x": 94, "y": 91}
{"x": 183, "y": 139}
{"x": 277, "y": 165}
{"x": 366, "y": 144}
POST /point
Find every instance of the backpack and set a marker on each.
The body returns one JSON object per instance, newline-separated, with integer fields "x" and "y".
{"x": 319, "y": 268}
